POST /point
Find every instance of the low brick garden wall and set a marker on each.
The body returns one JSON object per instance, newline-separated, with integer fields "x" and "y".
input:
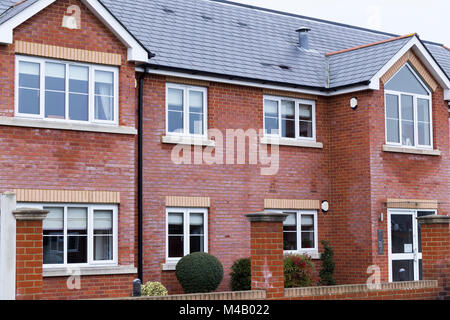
{"x": 416, "y": 290}
{"x": 236, "y": 295}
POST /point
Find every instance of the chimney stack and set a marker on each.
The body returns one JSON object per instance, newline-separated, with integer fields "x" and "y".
{"x": 303, "y": 39}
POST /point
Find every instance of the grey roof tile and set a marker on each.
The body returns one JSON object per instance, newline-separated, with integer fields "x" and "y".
{"x": 185, "y": 40}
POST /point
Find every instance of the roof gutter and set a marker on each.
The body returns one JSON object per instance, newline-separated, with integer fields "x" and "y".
{"x": 257, "y": 83}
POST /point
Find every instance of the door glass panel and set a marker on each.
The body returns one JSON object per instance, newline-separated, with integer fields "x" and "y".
{"x": 402, "y": 233}
{"x": 403, "y": 270}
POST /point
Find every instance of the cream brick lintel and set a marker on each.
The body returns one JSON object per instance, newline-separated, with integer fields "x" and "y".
{"x": 412, "y": 204}
{"x": 291, "y": 204}
{"x": 191, "y": 202}
{"x": 43, "y": 50}
{"x": 67, "y": 196}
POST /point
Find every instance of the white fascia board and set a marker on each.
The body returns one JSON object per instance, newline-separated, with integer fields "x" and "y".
{"x": 422, "y": 53}
{"x": 136, "y": 52}
{"x": 257, "y": 85}
{"x": 228, "y": 81}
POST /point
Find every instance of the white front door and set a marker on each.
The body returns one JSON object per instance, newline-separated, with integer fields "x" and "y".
{"x": 405, "y": 249}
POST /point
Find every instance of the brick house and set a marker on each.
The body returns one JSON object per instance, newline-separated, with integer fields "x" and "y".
{"x": 97, "y": 98}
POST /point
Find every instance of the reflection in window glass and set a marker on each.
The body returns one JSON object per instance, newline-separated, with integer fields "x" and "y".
{"x": 176, "y": 235}
{"x": 55, "y": 90}
{"x": 287, "y": 119}
{"x": 29, "y": 88}
{"x": 104, "y": 95}
{"x": 175, "y": 110}
{"x": 271, "y": 116}
{"x": 78, "y": 93}
{"x": 53, "y": 242}
{"x": 103, "y": 235}
{"x": 196, "y": 112}
{"x": 392, "y": 118}
{"x": 290, "y": 232}
{"x": 76, "y": 235}
{"x": 196, "y": 226}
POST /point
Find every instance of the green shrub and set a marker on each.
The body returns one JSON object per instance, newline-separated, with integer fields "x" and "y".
{"x": 241, "y": 279}
{"x": 199, "y": 272}
{"x": 151, "y": 289}
{"x": 326, "y": 274}
{"x": 298, "y": 271}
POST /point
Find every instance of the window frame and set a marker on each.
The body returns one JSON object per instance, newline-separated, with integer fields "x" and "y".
{"x": 90, "y": 233}
{"x": 186, "y": 114}
{"x": 297, "y": 102}
{"x": 415, "y": 96}
{"x": 186, "y": 232}
{"x": 299, "y": 214}
{"x": 91, "y": 90}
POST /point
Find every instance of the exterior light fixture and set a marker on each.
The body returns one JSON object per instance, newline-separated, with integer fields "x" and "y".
{"x": 325, "y": 206}
{"x": 354, "y": 103}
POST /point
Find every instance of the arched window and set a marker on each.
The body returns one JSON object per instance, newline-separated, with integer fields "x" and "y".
{"x": 408, "y": 110}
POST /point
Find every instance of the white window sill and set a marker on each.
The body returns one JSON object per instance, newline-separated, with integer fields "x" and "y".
{"x": 396, "y": 149}
{"x": 88, "y": 271}
{"x": 188, "y": 140}
{"x": 292, "y": 142}
{"x": 169, "y": 266}
{"x": 314, "y": 255}
{"x": 61, "y": 125}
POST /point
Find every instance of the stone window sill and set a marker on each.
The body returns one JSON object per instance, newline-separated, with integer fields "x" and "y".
{"x": 61, "y": 125}
{"x": 188, "y": 140}
{"x": 169, "y": 266}
{"x": 88, "y": 271}
{"x": 314, "y": 255}
{"x": 292, "y": 142}
{"x": 425, "y": 152}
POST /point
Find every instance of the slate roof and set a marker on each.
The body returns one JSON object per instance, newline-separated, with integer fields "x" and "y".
{"x": 234, "y": 40}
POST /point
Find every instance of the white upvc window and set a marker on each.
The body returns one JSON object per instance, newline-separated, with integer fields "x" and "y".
{"x": 78, "y": 235}
{"x": 186, "y": 232}
{"x": 300, "y": 231}
{"x": 186, "y": 110}
{"x": 56, "y": 90}
{"x": 408, "y": 110}
{"x": 289, "y": 118}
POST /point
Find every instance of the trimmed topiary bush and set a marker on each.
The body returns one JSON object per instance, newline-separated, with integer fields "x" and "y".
{"x": 199, "y": 272}
{"x": 326, "y": 274}
{"x": 241, "y": 275}
{"x": 152, "y": 289}
{"x": 298, "y": 271}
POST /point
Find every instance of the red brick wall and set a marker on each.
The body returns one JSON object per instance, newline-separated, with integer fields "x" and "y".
{"x": 29, "y": 280}
{"x": 234, "y": 190}
{"x": 350, "y": 187}
{"x": 436, "y": 255}
{"x": 91, "y": 287}
{"x": 72, "y": 160}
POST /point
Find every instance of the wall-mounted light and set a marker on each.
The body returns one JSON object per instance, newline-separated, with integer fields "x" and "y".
{"x": 354, "y": 103}
{"x": 325, "y": 206}
{"x": 381, "y": 217}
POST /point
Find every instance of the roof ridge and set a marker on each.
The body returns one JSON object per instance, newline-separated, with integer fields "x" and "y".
{"x": 370, "y": 44}
{"x": 290, "y": 14}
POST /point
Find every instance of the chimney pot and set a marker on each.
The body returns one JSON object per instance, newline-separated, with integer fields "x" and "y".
{"x": 303, "y": 38}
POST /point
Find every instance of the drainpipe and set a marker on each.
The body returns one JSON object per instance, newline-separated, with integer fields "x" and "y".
{"x": 140, "y": 165}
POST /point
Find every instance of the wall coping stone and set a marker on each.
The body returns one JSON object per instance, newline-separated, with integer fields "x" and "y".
{"x": 30, "y": 214}
{"x": 434, "y": 219}
{"x": 266, "y": 217}
{"x": 358, "y": 288}
{"x": 232, "y": 295}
